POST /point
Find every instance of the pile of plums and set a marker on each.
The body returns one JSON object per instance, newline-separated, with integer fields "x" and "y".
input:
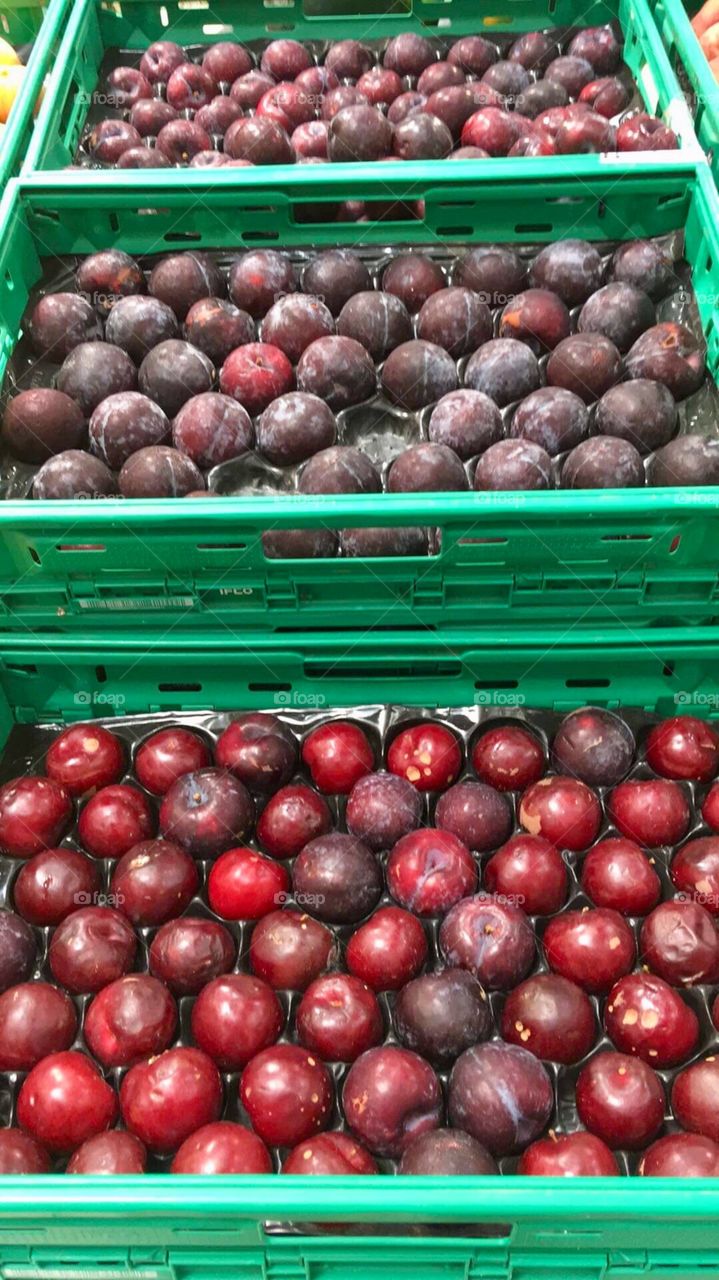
{"x": 506, "y": 372}
{"x": 296, "y": 942}
{"x": 412, "y": 98}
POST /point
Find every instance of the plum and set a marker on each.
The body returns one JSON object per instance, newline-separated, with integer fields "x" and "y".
{"x": 359, "y": 133}
{"x": 212, "y": 428}
{"x": 422, "y": 136}
{"x": 595, "y": 746}
{"x": 620, "y": 311}
{"x": 537, "y": 317}
{"x": 390, "y": 1097}
{"x": 447, "y": 1152}
{"x": 587, "y": 364}
{"x": 645, "y": 265}
{"x": 534, "y": 51}
{"x": 456, "y": 320}
{"x": 334, "y": 277}
{"x": 226, "y": 60}
{"x": 551, "y": 1017}
{"x": 642, "y": 132}
{"x": 123, "y": 423}
{"x": 337, "y": 878}
{"x": 60, "y": 322}
{"x": 349, "y": 59}
{"x": 688, "y": 460}
{"x": 248, "y": 89}
{"x": 553, "y": 418}
{"x": 93, "y": 371}
{"x": 599, "y": 45}
{"x": 217, "y": 116}
{"x": 159, "y": 472}
{"x": 259, "y": 140}
{"x": 571, "y": 72}
{"x": 217, "y": 326}
{"x": 109, "y": 139}
{"x": 466, "y": 421}
{"x": 73, "y": 474}
{"x": 182, "y": 279}
{"x": 426, "y": 468}
{"x": 137, "y": 324}
{"x": 378, "y": 320}
{"x": 285, "y": 59}
{"x": 473, "y": 54}
{"x": 439, "y": 1015}
{"x": 514, "y": 464}
{"x": 41, "y": 423}
{"x": 380, "y": 86}
{"x": 491, "y": 938}
{"x": 571, "y": 268}
{"x": 496, "y": 273}
{"x": 603, "y": 462}
{"x": 295, "y": 321}
{"x": 150, "y": 114}
{"x": 190, "y": 87}
{"x": 413, "y": 277}
{"x": 160, "y": 59}
{"x": 608, "y": 96}
{"x": 504, "y": 369}
{"x": 501, "y": 1095}
{"x": 541, "y": 96}
{"x": 668, "y": 353}
{"x": 339, "y": 370}
{"x": 106, "y": 276}
{"x": 641, "y": 411}
{"x": 408, "y": 54}
{"x": 294, "y": 427}
{"x": 173, "y": 372}
{"x": 179, "y": 141}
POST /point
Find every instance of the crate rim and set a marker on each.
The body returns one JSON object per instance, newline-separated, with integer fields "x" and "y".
{"x": 20, "y": 117}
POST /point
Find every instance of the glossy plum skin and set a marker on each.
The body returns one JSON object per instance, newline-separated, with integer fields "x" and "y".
{"x": 339, "y": 1018}
{"x": 684, "y": 748}
{"x": 84, "y": 757}
{"x": 166, "y": 1099}
{"x": 508, "y": 758}
{"x": 501, "y": 1095}
{"x": 653, "y": 812}
{"x": 245, "y": 885}
{"x": 621, "y": 1100}
{"x": 50, "y": 885}
{"x": 91, "y": 948}
{"x": 617, "y": 874}
{"x": 234, "y": 1017}
{"x": 429, "y": 870}
{"x": 568, "y": 1155}
{"x": 668, "y": 353}
{"x": 647, "y": 1017}
{"x": 36, "y": 1019}
{"x": 154, "y": 881}
{"x": 694, "y": 1097}
{"x": 595, "y": 746}
{"x": 189, "y": 952}
{"x": 551, "y": 1017}
{"x": 64, "y": 1101}
{"x": 19, "y": 1153}
{"x": 327, "y": 1154}
{"x": 491, "y": 938}
{"x": 391, "y": 1096}
{"x": 594, "y": 947}
{"x": 427, "y": 755}
{"x": 114, "y": 820}
{"x": 259, "y": 750}
{"x": 131, "y": 1019}
{"x": 206, "y": 811}
{"x": 381, "y": 808}
{"x": 443, "y": 1152}
{"x": 287, "y": 1095}
{"x": 681, "y": 1155}
{"x": 109, "y": 1153}
{"x": 679, "y": 942}
{"x": 695, "y": 872}
{"x": 478, "y": 815}
{"x": 222, "y": 1147}
{"x": 439, "y": 1015}
{"x": 288, "y": 949}
{"x": 166, "y": 755}
{"x": 40, "y": 423}
{"x": 530, "y": 872}
{"x": 388, "y": 949}
{"x": 710, "y": 808}
{"x": 293, "y": 816}
{"x": 563, "y": 810}
{"x": 338, "y": 878}
{"x": 18, "y": 949}
{"x": 337, "y": 755}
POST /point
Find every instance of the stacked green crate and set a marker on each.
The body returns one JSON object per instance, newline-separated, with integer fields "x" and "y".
{"x": 22, "y": 25}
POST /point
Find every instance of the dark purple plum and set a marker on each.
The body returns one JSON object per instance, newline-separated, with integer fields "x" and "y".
{"x": 137, "y": 324}
{"x": 73, "y": 474}
{"x": 217, "y": 326}
{"x": 359, "y": 133}
{"x": 501, "y": 1095}
{"x": 504, "y": 369}
{"x": 534, "y": 51}
{"x": 93, "y": 371}
{"x": 179, "y": 141}
{"x": 183, "y": 279}
{"x": 259, "y": 140}
{"x": 299, "y": 544}
{"x": 309, "y": 141}
{"x": 335, "y": 276}
{"x": 259, "y": 278}
{"x": 467, "y": 422}
{"x": 571, "y": 72}
{"x": 380, "y": 86}
{"x": 620, "y": 311}
{"x": 18, "y": 949}
{"x": 603, "y": 462}
{"x": 598, "y": 45}
{"x": 585, "y": 133}
{"x": 190, "y": 87}
{"x": 446, "y": 1152}
{"x": 508, "y": 77}
{"x": 173, "y": 372}
{"x": 338, "y": 370}
{"x": 295, "y": 321}
{"x": 408, "y": 54}
{"x": 340, "y": 469}
{"x": 541, "y": 96}
{"x": 124, "y": 423}
{"x": 477, "y": 814}
{"x": 294, "y": 427}
{"x": 641, "y": 411}
{"x": 438, "y": 75}
{"x": 40, "y": 423}
{"x": 537, "y": 317}
{"x": 107, "y": 276}
{"x": 473, "y": 54}
{"x": 418, "y": 373}
{"x": 644, "y": 264}
{"x": 571, "y": 268}
{"x": 594, "y": 745}
{"x": 552, "y": 418}
{"x": 608, "y": 96}
{"x": 494, "y": 272}
{"x": 490, "y": 938}
{"x": 143, "y": 158}
{"x": 349, "y": 59}
{"x": 345, "y": 95}
{"x": 456, "y": 320}
{"x": 427, "y": 468}
{"x": 248, "y": 89}
{"x": 642, "y": 132}
{"x": 159, "y": 472}
{"x": 412, "y": 277}
{"x": 382, "y": 808}
{"x": 383, "y": 541}
{"x": 512, "y": 465}
{"x": 407, "y": 104}
{"x": 107, "y": 140}
{"x": 377, "y": 320}
{"x": 422, "y": 136}
{"x": 259, "y": 750}
{"x": 217, "y": 116}
{"x": 587, "y": 364}
{"x": 212, "y": 428}
{"x": 454, "y": 104}
{"x": 285, "y": 59}
{"x": 687, "y": 460}
{"x": 668, "y": 353}
{"x": 337, "y": 879}
{"x": 127, "y": 85}
{"x": 439, "y": 1015}
{"x": 60, "y": 322}
{"x": 160, "y": 59}
{"x": 226, "y": 60}
{"x": 206, "y": 812}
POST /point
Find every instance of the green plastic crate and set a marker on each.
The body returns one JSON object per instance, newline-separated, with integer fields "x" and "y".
{"x": 692, "y": 69}
{"x": 23, "y": 23}
{"x": 96, "y": 26}
{"x": 509, "y": 1228}
{"x": 578, "y": 557}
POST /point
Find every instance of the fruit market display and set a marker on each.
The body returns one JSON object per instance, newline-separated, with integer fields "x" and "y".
{"x": 349, "y": 371}
{"x": 371, "y": 941}
{"x": 411, "y": 98}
